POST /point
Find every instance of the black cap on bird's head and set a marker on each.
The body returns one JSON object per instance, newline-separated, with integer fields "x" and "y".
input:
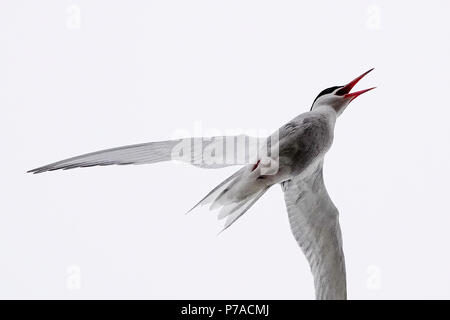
{"x": 339, "y": 96}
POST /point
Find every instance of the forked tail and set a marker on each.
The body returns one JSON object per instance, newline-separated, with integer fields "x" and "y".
{"x": 230, "y": 209}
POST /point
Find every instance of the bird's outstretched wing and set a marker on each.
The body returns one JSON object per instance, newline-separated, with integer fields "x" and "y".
{"x": 213, "y": 152}
{"x": 314, "y": 222}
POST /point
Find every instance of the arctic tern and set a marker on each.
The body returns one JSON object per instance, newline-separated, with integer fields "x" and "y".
{"x": 292, "y": 157}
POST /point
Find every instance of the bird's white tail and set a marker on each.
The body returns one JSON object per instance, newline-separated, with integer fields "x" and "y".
{"x": 223, "y": 197}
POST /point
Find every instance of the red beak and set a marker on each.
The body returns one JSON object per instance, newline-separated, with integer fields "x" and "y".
{"x": 345, "y": 90}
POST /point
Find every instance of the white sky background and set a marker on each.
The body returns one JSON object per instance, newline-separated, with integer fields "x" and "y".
{"x": 137, "y": 71}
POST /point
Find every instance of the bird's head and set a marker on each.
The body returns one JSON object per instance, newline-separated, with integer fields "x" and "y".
{"x": 339, "y": 97}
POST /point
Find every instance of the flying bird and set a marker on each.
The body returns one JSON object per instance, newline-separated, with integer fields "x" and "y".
{"x": 292, "y": 156}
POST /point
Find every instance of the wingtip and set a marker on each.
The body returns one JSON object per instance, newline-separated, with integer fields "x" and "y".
{"x": 37, "y": 170}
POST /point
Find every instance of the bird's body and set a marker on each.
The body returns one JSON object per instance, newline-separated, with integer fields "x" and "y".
{"x": 293, "y": 150}
{"x": 305, "y": 140}
{"x": 292, "y": 156}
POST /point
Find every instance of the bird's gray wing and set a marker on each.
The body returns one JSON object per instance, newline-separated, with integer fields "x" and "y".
{"x": 213, "y": 152}
{"x": 314, "y": 222}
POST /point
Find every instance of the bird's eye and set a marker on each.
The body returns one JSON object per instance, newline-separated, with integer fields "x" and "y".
{"x": 341, "y": 91}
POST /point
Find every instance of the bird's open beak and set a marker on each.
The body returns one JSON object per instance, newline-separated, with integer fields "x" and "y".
{"x": 345, "y": 90}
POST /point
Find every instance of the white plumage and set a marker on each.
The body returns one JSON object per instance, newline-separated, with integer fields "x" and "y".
{"x": 292, "y": 156}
